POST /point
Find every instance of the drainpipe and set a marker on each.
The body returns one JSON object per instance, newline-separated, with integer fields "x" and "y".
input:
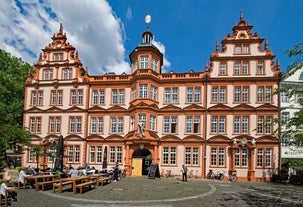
{"x": 205, "y": 121}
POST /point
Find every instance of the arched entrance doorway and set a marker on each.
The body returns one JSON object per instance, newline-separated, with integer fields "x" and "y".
{"x": 141, "y": 160}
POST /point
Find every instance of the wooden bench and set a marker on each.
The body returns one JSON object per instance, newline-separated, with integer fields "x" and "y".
{"x": 88, "y": 184}
{"x": 106, "y": 180}
{"x": 60, "y": 184}
{"x": 44, "y": 184}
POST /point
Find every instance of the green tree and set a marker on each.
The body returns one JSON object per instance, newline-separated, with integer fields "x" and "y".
{"x": 13, "y": 74}
{"x": 294, "y": 126}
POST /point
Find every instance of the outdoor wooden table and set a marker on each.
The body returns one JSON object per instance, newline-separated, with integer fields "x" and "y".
{"x": 98, "y": 176}
{"x": 77, "y": 180}
{"x": 38, "y": 177}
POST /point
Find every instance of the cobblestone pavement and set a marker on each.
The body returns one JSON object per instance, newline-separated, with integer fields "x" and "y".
{"x": 168, "y": 192}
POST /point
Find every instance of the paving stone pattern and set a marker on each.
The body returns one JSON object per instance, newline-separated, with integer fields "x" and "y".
{"x": 169, "y": 192}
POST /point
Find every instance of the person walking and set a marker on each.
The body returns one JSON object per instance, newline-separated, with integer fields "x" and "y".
{"x": 184, "y": 173}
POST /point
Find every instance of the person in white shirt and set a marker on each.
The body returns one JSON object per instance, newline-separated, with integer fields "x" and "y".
{"x": 21, "y": 175}
{"x": 11, "y": 190}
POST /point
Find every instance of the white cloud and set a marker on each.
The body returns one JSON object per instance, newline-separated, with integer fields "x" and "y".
{"x": 129, "y": 13}
{"x": 91, "y": 27}
{"x": 161, "y": 47}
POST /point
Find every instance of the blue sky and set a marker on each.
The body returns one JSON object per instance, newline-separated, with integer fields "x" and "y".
{"x": 105, "y": 32}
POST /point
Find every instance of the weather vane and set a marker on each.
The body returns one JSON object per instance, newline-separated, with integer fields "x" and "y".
{"x": 147, "y": 20}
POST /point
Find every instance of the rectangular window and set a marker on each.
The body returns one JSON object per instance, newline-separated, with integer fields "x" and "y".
{"x": 143, "y": 62}
{"x": 154, "y": 64}
{"x": 174, "y": 95}
{"x": 96, "y": 125}
{"x": 143, "y": 91}
{"x": 268, "y": 94}
{"x": 76, "y": 96}
{"x": 167, "y": 95}
{"x": 266, "y": 127}
{"x": 54, "y": 124}
{"x": 170, "y": 124}
{"x": 218, "y": 94}
{"x": 245, "y": 68}
{"x": 284, "y": 97}
{"x": 223, "y": 68}
{"x": 241, "y": 124}
{"x": 260, "y": 67}
{"x": 285, "y": 117}
{"x": 191, "y": 156}
{"x": 169, "y": 156}
{"x": 92, "y": 154}
{"x": 222, "y": 94}
{"x": 218, "y": 124}
{"x": 36, "y": 98}
{"x": 153, "y": 93}
{"x": 35, "y": 125}
{"x": 115, "y": 154}
{"x": 260, "y": 93}
{"x": 241, "y": 94}
{"x": 75, "y": 124}
{"x": 237, "y": 68}
{"x": 48, "y": 74}
{"x": 192, "y": 124}
{"x": 67, "y": 74}
{"x": 56, "y": 97}
{"x": 260, "y": 158}
{"x": 217, "y": 156}
{"x": 152, "y": 123}
{"x": 118, "y": 96}
{"x": 73, "y": 152}
{"x": 189, "y": 95}
{"x": 264, "y": 157}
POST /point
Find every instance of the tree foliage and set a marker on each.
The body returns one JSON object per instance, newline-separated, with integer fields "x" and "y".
{"x": 294, "y": 126}
{"x": 13, "y": 74}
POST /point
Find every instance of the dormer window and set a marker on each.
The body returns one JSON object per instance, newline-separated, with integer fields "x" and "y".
{"x": 58, "y": 56}
{"x": 154, "y": 64}
{"x": 301, "y": 76}
{"x": 223, "y": 68}
{"x": 48, "y": 74}
{"x": 143, "y": 62}
{"x": 242, "y": 49}
{"x": 67, "y": 74}
{"x": 260, "y": 67}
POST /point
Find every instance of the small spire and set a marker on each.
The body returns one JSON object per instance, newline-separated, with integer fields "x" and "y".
{"x": 77, "y": 54}
{"x": 206, "y": 66}
{"x": 61, "y": 28}
{"x": 277, "y": 64}
{"x": 266, "y": 44}
{"x": 217, "y": 46}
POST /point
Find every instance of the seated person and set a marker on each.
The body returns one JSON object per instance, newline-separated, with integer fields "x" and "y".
{"x": 11, "y": 174}
{"x": 21, "y": 176}
{"x": 73, "y": 172}
{"x": 11, "y": 190}
{"x": 32, "y": 171}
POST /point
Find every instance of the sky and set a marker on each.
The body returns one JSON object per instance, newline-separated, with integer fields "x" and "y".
{"x": 106, "y": 31}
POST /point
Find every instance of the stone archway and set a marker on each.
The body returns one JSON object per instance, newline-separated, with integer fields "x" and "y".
{"x": 141, "y": 160}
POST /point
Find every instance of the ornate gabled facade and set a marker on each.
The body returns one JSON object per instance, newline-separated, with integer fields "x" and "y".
{"x": 220, "y": 119}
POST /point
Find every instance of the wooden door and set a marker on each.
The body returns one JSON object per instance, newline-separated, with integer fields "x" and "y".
{"x": 137, "y": 167}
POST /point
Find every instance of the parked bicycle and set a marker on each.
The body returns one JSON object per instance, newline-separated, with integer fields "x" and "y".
{"x": 233, "y": 177}
{"x": 212, "y": 175}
